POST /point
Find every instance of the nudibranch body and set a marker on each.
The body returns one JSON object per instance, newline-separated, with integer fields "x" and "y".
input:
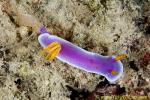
{"x": 107, "y": 66}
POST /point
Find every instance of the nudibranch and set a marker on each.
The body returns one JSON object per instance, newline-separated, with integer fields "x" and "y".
{"x": 54, "y": 46}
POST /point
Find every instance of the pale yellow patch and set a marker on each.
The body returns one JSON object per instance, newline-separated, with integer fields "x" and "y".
{"x": 113, "y": 72}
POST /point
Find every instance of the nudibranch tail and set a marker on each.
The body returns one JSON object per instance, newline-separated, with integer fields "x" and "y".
{"x": 52, "y": 49}
{"x": 120, "y": 57}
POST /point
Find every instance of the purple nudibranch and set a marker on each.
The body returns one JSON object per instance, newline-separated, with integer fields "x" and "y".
{"x": 75, "y": 56}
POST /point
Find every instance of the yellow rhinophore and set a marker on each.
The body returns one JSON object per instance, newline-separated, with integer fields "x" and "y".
{"x": 120, "y": 57}
{"x": 52, "y": 49}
